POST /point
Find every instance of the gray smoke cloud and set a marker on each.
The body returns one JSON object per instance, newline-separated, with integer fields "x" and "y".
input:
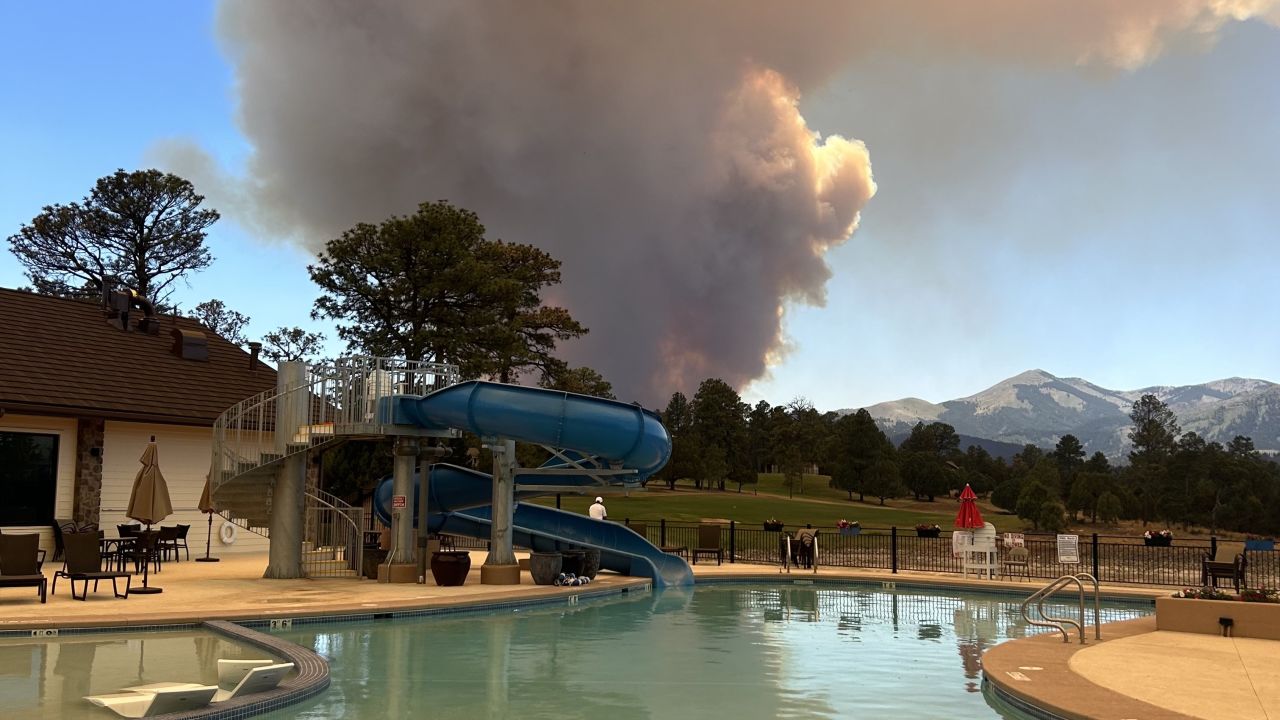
{"x": 657, "y": 149}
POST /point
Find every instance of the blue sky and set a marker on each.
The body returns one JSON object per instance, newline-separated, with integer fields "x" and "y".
{"x": 1117, "y": 225}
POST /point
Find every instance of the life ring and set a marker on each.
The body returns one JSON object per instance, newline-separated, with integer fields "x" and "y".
{"x": 227, "y": 533}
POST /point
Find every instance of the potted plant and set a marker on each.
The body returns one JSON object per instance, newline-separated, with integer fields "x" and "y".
{"x": 1157, "y": 538}
{"x": 773, "y": 524}
{"x": 927, "y": 530}
{"x": 1259, "y": 543}
{"x": 848, "y": 528}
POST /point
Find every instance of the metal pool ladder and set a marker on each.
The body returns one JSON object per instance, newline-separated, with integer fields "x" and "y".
{"x": 1061, "y": 623}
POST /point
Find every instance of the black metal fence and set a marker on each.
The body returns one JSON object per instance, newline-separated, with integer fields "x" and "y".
{"x": 1111, "y": 559}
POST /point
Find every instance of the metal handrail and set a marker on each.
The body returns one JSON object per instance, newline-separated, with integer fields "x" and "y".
{"x": 350, "y": 542}
{"x": 1060, "y": 624}
{"x": 344, "y": 398}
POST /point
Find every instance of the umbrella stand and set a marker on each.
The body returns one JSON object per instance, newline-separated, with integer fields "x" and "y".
{"x": 208, "y": 544}
{"x": 147, "y": 589}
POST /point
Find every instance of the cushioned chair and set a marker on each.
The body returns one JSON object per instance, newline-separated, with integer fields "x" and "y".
{"x": 708, "y": 543}
{"x": 20, "y": 561}
{"x": 1228, "y": 563}
{"x": 1016, "y": 562}
{"x": 84, "y": 563}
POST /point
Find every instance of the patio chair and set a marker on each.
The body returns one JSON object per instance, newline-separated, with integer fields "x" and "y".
{"x": 255, "y": 680}
{"x": 159, "y": 702}
{"x": 1016, "y": 562}
{"x": 60, "y": 527}
{"x": 167, "y": 542}
{"x": 84, "y": 563}
{"x": 802, "y": 547}
{"x": 20, "y": 561}
{"x": 143, "y": 548}
{"x": 708, "y": 543}
{"x": 180, "y": 543}
{"x": 642, "y": 529}
{"x": 1229, "y": 563}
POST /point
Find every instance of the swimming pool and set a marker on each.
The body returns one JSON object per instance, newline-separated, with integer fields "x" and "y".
{"x": 730, "y": 650}
{"x": 48, "y": 677}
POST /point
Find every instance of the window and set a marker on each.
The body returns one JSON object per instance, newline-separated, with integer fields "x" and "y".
{"x": 28, "y": 478}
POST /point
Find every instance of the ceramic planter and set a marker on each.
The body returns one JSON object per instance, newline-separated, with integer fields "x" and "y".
{"x": 544, "y": 567}
{"x": 450, "y": 567}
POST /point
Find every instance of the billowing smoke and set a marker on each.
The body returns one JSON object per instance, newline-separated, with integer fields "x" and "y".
{"x": 656, "y": 148}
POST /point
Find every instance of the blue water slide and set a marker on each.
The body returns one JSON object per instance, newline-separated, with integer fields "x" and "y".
{"x": 617, "y": 435}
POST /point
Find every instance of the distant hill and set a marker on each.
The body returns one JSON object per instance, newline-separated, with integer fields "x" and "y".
{"x": 1037, "y": 407}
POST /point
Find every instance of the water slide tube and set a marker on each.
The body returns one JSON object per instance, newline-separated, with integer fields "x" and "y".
{"x": 621, "y": 435}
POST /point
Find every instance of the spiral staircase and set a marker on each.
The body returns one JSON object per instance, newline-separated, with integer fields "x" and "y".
{"x": 333, "y": 404}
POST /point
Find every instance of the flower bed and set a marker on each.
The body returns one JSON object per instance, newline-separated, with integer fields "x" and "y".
{"x": 1157, "y": 538}
{"x": 848, "y": 528}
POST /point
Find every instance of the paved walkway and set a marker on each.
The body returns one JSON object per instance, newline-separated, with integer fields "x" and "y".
{"x": 1137, "y": 672}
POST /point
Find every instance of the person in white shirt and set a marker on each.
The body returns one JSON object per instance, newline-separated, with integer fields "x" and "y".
{"x": 597, "y": 510}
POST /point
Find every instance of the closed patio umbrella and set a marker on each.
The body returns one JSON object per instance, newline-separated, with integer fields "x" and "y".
{"x": 149, "y": 502}
{"x": 968, "y": 517}
{"x": 207, "y": 507}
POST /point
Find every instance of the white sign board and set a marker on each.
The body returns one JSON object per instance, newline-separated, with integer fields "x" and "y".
{"x": 1069, "y": 549}
{"x": 961, "y": 540}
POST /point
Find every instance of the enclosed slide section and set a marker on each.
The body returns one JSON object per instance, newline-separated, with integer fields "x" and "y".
{"x": 601, "y": 434}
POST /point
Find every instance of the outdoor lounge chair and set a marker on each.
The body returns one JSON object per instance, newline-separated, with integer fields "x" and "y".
{"x": 256, "y": 680}
{"x": 231, "y": 672}
{"x": 1016, "y": 562}
{"x": 1229, "y": 562}
{"x": 158, "y": 702}
{"x": 20, "y": 561}
{"x": 59, "y": 528}
{"x": 708, "y": 543}
{"x": 84, "y": 562}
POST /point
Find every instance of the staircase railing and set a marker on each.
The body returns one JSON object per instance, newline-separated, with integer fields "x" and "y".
{"x": 334, "y": 539}
{"x": 341, "y": 399}
{"x": 1061, "y": 623}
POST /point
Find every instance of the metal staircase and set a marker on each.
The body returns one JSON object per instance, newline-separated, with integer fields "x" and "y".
{"x": 335, "y": 403}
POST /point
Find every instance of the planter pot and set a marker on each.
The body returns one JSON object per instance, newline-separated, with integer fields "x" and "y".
{"x": 544, "y": 567}
{"x": 590, "y": 563}
{"x": 1157, "y": 542}
{"x": 850, "y": 531}
{"x": 1259, "y": 544}
{"x": 773, "y": 527}
{"x": 573, "y": 561}
{"x": 929, "y": 532}
{"x": 450, "y": 567}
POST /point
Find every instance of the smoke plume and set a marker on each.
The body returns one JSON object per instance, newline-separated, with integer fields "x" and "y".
{"x": 656, "y": 148}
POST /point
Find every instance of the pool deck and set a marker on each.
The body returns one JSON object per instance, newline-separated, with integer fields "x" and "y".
{"x": 1136, "y": 672}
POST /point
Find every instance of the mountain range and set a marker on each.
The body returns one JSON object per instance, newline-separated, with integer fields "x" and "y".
{"x": 1039, "y": 408}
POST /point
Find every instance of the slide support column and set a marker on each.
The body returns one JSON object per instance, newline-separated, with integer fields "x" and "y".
{"x": 501, "y": 568}
{"x": 400, "y": 566}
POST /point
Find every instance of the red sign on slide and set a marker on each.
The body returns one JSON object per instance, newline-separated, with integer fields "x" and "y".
{"x": 399, "y": 502}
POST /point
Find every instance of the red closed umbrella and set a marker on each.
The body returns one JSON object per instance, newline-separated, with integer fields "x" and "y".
{"x": 968, "y": 517}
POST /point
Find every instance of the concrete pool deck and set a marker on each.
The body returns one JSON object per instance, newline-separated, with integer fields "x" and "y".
{"x": 1135, "y": 672}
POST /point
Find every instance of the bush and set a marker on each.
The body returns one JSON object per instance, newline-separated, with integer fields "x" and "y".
{"x": 1109, "y": 507}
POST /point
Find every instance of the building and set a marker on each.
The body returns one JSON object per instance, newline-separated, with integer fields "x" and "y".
{"x": 82, "y": 391}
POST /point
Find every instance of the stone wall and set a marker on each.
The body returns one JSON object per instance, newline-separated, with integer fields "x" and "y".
{"x": 88, "y": 481}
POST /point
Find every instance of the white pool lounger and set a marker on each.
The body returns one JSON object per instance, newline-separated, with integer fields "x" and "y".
{"x": 159, "y": 702}
{"x": 256, "y": 679}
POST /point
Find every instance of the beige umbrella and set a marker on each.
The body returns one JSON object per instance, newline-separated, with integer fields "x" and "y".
{"x": 207, "y": 507}
{"x": 149, "y": 502}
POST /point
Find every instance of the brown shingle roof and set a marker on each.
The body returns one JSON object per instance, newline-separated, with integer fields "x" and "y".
{"x": 61, "y": 357}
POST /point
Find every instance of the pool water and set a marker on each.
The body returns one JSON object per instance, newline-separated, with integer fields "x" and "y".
{"x": 733, "y": 651}
{"x": 49, "y": 677}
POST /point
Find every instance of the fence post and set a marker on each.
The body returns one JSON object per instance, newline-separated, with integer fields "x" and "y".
{"x": 1213, "y": 547}
{"x": 733, "y": 539}
{"x": 893, "y": 548}
{"x": 662, "y": 536}
{"x": 1095, "y": 558}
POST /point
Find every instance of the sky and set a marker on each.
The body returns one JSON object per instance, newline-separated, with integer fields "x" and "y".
{"x": 1092, "y": 213}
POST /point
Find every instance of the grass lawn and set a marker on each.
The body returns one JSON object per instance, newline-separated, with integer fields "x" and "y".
{"x": 819, "y": 505}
